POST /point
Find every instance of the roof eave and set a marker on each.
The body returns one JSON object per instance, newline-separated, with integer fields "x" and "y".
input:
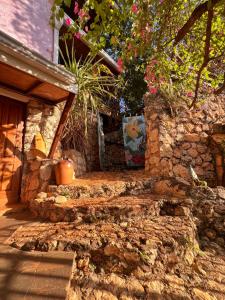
{"x": 18, "y": 56}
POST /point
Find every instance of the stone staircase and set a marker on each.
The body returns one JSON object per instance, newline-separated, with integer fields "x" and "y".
{"x": 105, "y": 184}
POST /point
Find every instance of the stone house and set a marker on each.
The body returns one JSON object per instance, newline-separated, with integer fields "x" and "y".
{"x": 181, "y": 137}
{"x": 36, "y": 95}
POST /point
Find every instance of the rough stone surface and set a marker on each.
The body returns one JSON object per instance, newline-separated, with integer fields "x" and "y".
{"x": 137, "y": 247}
{"x": 183, "y": 137}
{"x": 37, "y": 172}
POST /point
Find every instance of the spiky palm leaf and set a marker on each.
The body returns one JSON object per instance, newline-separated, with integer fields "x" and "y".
{"x": 95, "y": 82}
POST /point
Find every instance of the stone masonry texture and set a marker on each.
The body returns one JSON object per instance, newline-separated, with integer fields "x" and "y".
{"x": 180, "y": 137}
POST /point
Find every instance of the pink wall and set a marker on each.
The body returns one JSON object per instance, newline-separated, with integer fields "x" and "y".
{"x": 28, "y": 22}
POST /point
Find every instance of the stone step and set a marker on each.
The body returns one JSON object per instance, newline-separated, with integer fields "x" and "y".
{"x": 114, "y": 209}
{"x": 102, "y": 189}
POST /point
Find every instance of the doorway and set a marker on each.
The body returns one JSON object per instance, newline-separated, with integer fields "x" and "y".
{"x": 12, "y": 115}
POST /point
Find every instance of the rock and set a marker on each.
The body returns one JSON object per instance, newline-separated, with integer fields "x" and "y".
{"x": 124, "y": 296}
{"x": 34, "y": 165}
{"x": 53, "y": 217}
{"x": 181, "y": 171}
{"x": 33, "y": 182}
{"x": 45, "y": 172}
{"x": 221, "y": 192}
{"x": 83, "y": 263}
{"x": 154, "y": 147}
{"x": 210, "y": 233}
{"x": 154, "y": 286}
{"x": 131, "y": 257}
{"x": 198, "y": 268}
{"x": 100, "y": 295}
{"x": 201, "y": 149}
{"x": 192, "y": 138}
{"x": 189, "y": 256}
{"x": 177, "y": 153}
{"x": 206, "y": 157}
{"x": 181, "y": 211}
{"x": 42, "y": 195}
{"x": 154, "y": 136}
{"x": 29, "y": 246}
{"x": 186, "y": 146}
{"x": 124, "y": 224}
{"x": 192, "y": 152}
{"x": 60, "y": 199}
{"x": 42, "y": 246}
{"x": 135, "y": 288}
{"x": 111, "y": 250}
{"x": 166, "y": 150}
{"x": 201, "y": 295}
{"x": 174, "y": 281}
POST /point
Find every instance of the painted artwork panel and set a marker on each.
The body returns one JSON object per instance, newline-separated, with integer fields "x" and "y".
{"x": 134, "y": 134}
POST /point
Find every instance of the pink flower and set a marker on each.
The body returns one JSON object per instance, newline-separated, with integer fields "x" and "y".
{"x": 68, "y": 22}
{"x": 76, "y": 8}
{"x": 120, "y": 64}
{"x": 154, "y": 62}
{"x": 82, "y": 14}
{"x": 153, "y": 90}
{"x": 134, "y": 8}
{"x": 77, "y": 35}
{"x": 129, "y": 46}
{"x": 86, "y": 28}
{"x": 189, "y": 94}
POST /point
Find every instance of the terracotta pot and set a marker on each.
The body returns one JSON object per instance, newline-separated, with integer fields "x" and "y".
{"x": 64, "y": 172}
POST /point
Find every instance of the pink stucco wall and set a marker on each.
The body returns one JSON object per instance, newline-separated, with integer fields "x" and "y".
{"x": 28, "y": 22}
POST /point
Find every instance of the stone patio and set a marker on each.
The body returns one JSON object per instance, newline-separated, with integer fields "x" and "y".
{"x": 139, "y": 247}
{"x": 33, "y": 275}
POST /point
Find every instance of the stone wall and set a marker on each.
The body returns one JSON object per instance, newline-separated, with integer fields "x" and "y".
{"x": 37, "y": 169}
{"x": 114, "y": 151}
{"x": 92, "y": 145}
{"x": 178, "y": 138}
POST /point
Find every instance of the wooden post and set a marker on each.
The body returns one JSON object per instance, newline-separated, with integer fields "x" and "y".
{"x": 62, "y": 122}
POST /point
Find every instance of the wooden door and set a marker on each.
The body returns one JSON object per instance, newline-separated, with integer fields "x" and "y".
{"x": 11, "y": 149}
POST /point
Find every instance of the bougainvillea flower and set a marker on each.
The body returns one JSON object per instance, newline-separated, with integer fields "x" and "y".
{"x": 86, "y": 28}
{"x": 68, "y": 22}
{"x": 82, "y": 14}
{"x": 153, "y": 90}
{"x": 189, "y": 94}
{"x": 134, "y": 8}
{"x": 76, "y": 8}
{"x": 129, "y": 46}
{"x": 77, "y": 35}
{"x": 120, "y": 64}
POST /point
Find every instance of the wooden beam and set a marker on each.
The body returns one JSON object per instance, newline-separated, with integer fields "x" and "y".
{"x": 36, "y": 84}
{"x": 62, "y": 122}
{"x": 15, "y": 94}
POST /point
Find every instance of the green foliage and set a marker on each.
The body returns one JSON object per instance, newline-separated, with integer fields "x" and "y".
{"x": 95, "y": 83}
{"x": 153, "y": 30}
{"x": 135, "y": 87}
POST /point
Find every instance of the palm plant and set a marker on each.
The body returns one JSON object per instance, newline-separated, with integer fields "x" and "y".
{"x": 95, "y": 83}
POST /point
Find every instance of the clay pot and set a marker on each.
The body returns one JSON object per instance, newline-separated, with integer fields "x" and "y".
{"x": 64, "y": 172}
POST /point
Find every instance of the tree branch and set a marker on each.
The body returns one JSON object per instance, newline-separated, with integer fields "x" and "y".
{"x": 206, "y": 58}
{"x": 219, "y": 90}
{"x": 195, "y": 16}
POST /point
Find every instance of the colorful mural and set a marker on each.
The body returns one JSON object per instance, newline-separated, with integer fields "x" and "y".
{"x": 134, "y": 134}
